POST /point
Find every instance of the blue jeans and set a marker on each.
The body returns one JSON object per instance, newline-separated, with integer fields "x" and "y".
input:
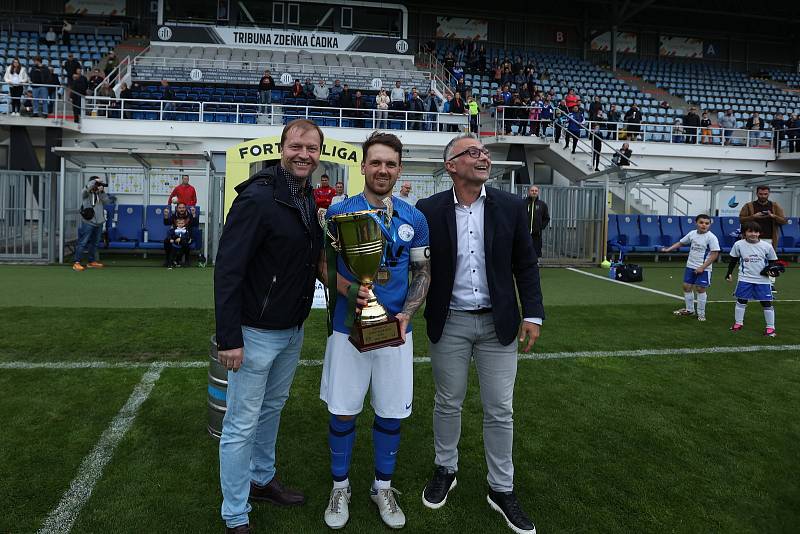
{"x": 88, "y": 239}
{"x": 265, "y": 97}
{"x": 40, "y": 95}
{"x": 256, "y": 395}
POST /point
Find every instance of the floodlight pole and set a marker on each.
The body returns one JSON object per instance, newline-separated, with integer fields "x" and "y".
{"x": 61, "y": 211}
{"x": 210, "y": 188}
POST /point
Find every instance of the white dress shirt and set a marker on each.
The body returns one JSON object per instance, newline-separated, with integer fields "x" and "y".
{"x": 470, "y": 286}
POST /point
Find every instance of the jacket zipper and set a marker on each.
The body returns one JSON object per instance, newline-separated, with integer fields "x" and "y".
{"x": 266, "y": 297}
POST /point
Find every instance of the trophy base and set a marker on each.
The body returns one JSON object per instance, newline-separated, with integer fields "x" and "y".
{"x": 376, "y": 336}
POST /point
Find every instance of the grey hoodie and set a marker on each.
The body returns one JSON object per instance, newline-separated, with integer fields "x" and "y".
{"x": 727, "y": 121}
{"x": 96, "y": 201}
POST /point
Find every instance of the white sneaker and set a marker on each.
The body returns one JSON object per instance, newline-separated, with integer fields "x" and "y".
{"x": 683, "y": 312}
{"x": 701, "y": 318}
{"x": 390, "y": 511}
{"x": 338, "y": 512}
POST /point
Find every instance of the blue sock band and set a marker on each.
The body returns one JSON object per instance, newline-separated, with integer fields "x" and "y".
{"x": 386, "y": 441}
{"x": 341, "y": 437}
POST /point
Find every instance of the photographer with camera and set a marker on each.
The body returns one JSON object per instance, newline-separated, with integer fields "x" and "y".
{"x": 93, "y": 217}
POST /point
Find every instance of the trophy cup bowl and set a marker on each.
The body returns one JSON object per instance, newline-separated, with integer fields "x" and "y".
{"x": 361, "y": 243}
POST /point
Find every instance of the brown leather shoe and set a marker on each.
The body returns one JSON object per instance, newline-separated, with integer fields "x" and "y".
{"x": 241, "y": 529}
{"x": 276, "y": 493}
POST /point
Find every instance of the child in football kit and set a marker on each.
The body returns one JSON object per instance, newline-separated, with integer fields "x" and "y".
{"x": 703, "y": 252}
{"x": 757, "y": 261}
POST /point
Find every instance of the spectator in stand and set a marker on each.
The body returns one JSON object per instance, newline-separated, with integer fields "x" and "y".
{"x": 398, "y": 101}
{"x": 345, "y": 99}
{"x": 574, "y": 127}
{"x": 546, "y": 115}
{"x": 125, "y": 94}
{"x": 297, "y": 89}
{"x": 336, "y": 90}
{"x": 39, "y": 77}
{"x": 595, "y": 108}
{"x": 184, "y": 192}
{"x": 168, "y": 96}
{"x": 323, "y": 195}
{"x": 461, "y": 88}
{"x": 677, "y": 132}
{"x": 691, "y": 123}
{"x": 265, "y": 87}
{"x": 415, "y": 107}
{"x": 449, "y": 60}
{"x": 512, "y": 117}
{"x": 497, "y": 99}
{"x": 623, "y": 157}
{"x": 793, "y": 133}
{"x": 728, "y": 123}
{"x": 561, "y": 115}
{"x": 664, "y": 104}
{"x": 171, "y": 218}
{"x": 525, "y": 92}
{"x": 52, "y": 81}
{"x": 754, "y": 124}
{"x": 340, "y": 194}
{"x": 572, "y": 99}
{"x": 78, "y": 86}
{"x": 597, "y": 145}
{"x": 508, "y": 76}
{"x": 66, "y": 30}
{"x": 308, "y": 89}
{"x": 474, "y": 112}
{"x": 705, "y": 129}
{"x": 96, "y": 77}
{"x": 497, "y": 75}
{"x": 107, "y": 99}
{"x": 321, "y": 94}
{"x": 71, "y": 65}
{"x": 16, "y": 76}
{"x": 50, "y": 37}
{"x": 26, "y": 108}
{"x": 382, "y": 102}
{"x": 458, "y": 107}
{"x": 613, "y": 119}
{"x": 633, "y": 122}
{"x": 507, "y": 95}
{"x": 432, "y": 106}
{"x": 458, "y": 73}
{"x": 778, "y": 132}
{"x": 360, "y": 104}
{"x": 111, "y": 63}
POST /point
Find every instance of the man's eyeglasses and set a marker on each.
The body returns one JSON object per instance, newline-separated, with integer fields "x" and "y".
{"x": 473, "y": 151}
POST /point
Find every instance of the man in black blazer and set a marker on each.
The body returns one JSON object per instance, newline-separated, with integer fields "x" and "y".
{"x": 480, "y": 244}
{"x": 538, "y": 217}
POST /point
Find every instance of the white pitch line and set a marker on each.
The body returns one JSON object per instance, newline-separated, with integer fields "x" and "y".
{"x": 732, "y": 301}
{"x": 424, "y": 359}
{"x": 63, "y": 517}
{"x": 626, "y": 284}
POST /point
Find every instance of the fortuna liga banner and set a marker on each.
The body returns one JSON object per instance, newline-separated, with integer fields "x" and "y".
{"x": 289, "y": 40}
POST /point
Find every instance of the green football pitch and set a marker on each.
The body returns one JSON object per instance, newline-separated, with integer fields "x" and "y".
{"x": 627, "y": 418}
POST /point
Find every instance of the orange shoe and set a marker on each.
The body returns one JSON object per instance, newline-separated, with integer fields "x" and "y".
{"x": 95, "y": 265}
{"x": 78, "y": 267}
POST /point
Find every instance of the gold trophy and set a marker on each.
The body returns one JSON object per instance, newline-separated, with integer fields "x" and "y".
{"x": 360, "y": 241}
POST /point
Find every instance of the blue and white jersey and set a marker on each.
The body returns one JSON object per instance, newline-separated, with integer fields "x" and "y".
{"x": 409, "y": 229}
{"x": 753, "y": 257}
{"x": 700, "y": 246}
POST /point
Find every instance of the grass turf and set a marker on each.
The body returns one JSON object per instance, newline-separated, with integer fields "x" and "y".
{"x": 704, "y": 443}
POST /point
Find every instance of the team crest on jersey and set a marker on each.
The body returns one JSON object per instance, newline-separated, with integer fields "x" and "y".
{"x": 405, "y": 232}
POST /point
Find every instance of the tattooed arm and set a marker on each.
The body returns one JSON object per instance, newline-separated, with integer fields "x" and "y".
{"x": 418, "y": 287}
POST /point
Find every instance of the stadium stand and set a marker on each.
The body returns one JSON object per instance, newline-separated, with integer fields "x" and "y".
{"x": 89, "y": 49}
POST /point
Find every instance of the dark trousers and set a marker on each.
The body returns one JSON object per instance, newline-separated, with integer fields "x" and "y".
{"x": 596, "y": 159}
{"x": 76, "y": 106}
{"x": 16, "y": 94}
{"x": 557, "y": 132}
{"x": 537, "y": 244}
{"x": 569, "y": 136}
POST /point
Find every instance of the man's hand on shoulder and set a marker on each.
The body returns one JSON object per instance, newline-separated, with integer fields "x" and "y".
{"x": 529, "y": 331}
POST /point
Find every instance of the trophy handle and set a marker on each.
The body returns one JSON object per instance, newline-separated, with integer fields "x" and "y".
{"x": 326, "y": 229}
{"x": 389, "y": 210}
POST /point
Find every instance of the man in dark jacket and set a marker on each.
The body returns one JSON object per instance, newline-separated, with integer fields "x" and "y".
{"x": 538, "y": 217}
{"x": 481, "y": 258}
{"x": 691, "y": 122}
{"x": 263, "y": 289}
{"x": 71, "y": 65}
{"x": 613, "y": 118}
{"x": 633, "y": 121}
{"x": 78, "y": 86}
{"x": 40, "y": 76}
{"x": 778, "y": 131}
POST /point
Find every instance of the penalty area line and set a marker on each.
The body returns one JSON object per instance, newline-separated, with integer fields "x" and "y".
{"x": 631, "y": 353}
{"x": 62, "y": 518}
{"x": 626, "y": 284}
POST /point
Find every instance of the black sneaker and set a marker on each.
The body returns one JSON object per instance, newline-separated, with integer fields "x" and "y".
{"x": 508, "y": 506}
{"x": 435, "y": 493}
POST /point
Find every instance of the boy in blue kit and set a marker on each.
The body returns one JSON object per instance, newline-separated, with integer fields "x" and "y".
{"x": 387, "y": 372}
{"x": 757, "y": 262}
{"x": 703, "y": 252}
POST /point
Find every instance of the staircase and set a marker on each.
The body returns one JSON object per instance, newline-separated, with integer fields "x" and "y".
{"x": 674, "y": 102}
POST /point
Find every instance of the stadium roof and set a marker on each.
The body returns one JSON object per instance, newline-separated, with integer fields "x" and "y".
{"x": 709, "y": 178}
{"x": 149, "y": 158}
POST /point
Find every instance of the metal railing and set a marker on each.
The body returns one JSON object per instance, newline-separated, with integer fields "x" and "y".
{"x": 274, "y": 114}
{"x": 260, "y": 66}
{"x": 56, "y": 105}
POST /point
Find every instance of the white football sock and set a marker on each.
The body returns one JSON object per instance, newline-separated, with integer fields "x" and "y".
{"x": 738, "y": 314}
{"x": 689, "y": 298}
{"x": 769, "y": 317}
{"x": 337, "y": 484}
{"x": 701, "y": 303}
{"x": 381, "y": 484}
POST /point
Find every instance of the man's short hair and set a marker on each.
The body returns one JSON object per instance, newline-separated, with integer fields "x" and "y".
{"x": 324, "y": 175}
{"x": 752, "y": 226}
{"x": 303, "y": 125}
{"x": 383, "y": 138}
{"x": 762, "y": 188}
{"x": 702, "y": 216}
{"x": 448, "y": 150}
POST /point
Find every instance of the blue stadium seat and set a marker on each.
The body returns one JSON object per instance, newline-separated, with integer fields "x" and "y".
{"x": 790, "y": 242}
{"x": 730, "y": 230}
{"x": 687, "y": 224}
{"x": 671, "y": 231}
{"x": 127, "y": 230}
{"x": 648, "y": 224}
{"x": 629, "y": 228}
{"x": 716, "y": 229}
{"x": 155, "y": 228}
